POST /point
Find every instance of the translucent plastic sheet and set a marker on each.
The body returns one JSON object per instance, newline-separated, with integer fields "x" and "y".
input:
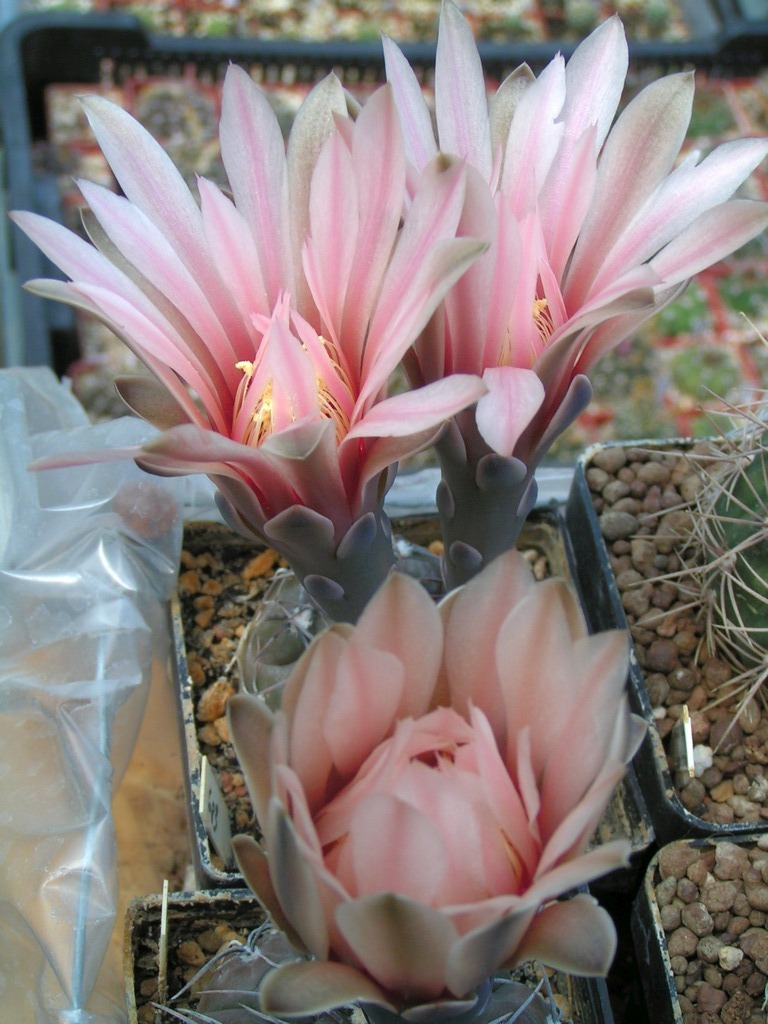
{"x": 88, "y": 557}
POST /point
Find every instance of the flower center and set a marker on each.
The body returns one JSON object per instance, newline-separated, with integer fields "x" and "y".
{"x": 332, "y": 401}
{"x": 296, "y": 375}
{"x": 542, "y": 318}
{"x": 259, "y": 426}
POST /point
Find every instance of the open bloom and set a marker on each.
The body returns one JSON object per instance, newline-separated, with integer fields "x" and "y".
{"x": 272, "y": 321}
{"x": 594, "y": 226}
{"x": 428, "y": 789}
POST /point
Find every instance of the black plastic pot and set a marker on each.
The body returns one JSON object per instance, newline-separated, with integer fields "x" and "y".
{"x": 670, "y": 819}
{"x": 189, "y": 915}
{"x": 652, "y": 950}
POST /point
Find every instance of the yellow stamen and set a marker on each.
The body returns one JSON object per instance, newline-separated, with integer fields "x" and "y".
{"x": 542, "y": 316}
{"x": 329, "y": 405}
{"x": 260, "y": 426}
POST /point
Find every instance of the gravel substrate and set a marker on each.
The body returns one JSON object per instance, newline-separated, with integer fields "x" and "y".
{"x": 713, "y": 905}
{"x": 642, "y": 497}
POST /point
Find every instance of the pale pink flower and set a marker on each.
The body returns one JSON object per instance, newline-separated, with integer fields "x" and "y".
{"x": 594, "y": 226}
{"x": 428, "y": 789}
{"x": 272, "y": 321}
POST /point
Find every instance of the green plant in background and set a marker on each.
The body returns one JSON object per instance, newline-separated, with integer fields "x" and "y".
{"x": 581, "y": 15}
{"x": 747, "y": 293}
{"x": 690, "y": 314}
{"x": 700, "y": 369}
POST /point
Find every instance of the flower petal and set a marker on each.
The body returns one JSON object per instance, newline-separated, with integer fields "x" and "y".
{"x": 254, "y": 866}
{"x": 514, "y": 397}
{"x": 411, "y": 412}
{"x": 480, "y": 952}
{"x": 150, "y": 400}
{"x": 250, "y": 724}
{"x": 253, "y": 152}
{"x": 360, "y": 713}
{"x": 575, "y": 936}
{"x": 404, "y": 945}
{"x": 416, "y": 122}
{"x": 295, "y": 883}
{"x": 460, "y": 93}
{"x": 401, "y": 618}
{"x": 304, "y": 989}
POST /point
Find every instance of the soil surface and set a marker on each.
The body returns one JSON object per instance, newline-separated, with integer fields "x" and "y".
{"x": 643, "y": 500}
{"x": 713, "y": 905}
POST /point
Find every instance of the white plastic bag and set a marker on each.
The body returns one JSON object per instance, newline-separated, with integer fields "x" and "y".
{"x": 88, "y": 557}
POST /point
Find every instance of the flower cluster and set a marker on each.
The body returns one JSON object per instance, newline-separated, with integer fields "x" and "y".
{"x": 593, "y": 227}
{"x": 498, "y": 261}
{"x": 429, "y": 785}
{"x": 273, "y": 321}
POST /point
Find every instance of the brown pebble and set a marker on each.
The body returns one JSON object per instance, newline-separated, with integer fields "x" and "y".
{"x": 754, "y": 944}
{"x": 682, "y": 942}
{"x": 675, "y": 858}
{"x": 221, "y": 725}
{"x": 749, "y": 719}
{"x": 657, "y": 687}
{"x": 203, "y": 619}
{"x": 262, "y": 565}
{"x": 664, "y": 596}
{"x": 712, "y": 976}
{"x": 596, "y": 478}
{"x": 709, "y": 999}
{"x": 718, "y": 896}
{"x": 614, "y": 490}
{"x": 189, "y": 952}
{"x": 687, "y": 891}
{"x": 207, "y": 735}
{"x": 189, "y": 582}
{"x": 693, "y": 795}
{"x": 195, "y": 670}
{"x": 213, "y": 701}
{"x": 721, "y": 814}
{"x": 643, "y": 552}
{"x": 755, "y": 985}
{"x": 148, "y": 988}
{"x": 698, "y": 872}
{"x": 617, "y": 524}
{"x": 723, "y": 791}
{"x": 725, "y": 734}
{"x": 696, "y": 917}
{"x": 666, "y": 889}
{"x": 662, "y": 656}
{"x": 209, "y": 940}
{"x": 611, "y": 458}
{"x": 682, "y": 679}
{"x": 731, "y": 860}
{"x": 716, "y": 672}
{"x": 636, "y": 601}
{"x": 654, "y": 473}
{"x": 671, "y": 916}
{"x": 708, "y": 949}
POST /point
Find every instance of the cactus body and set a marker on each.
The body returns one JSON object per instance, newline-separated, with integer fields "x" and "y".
{"x": 741, "y": 512}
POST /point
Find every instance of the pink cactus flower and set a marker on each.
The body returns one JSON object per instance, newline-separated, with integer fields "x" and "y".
{"x": 594, "y": 226}
{"x": 273, "y": 321}
{"x": 428, "y": 790}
